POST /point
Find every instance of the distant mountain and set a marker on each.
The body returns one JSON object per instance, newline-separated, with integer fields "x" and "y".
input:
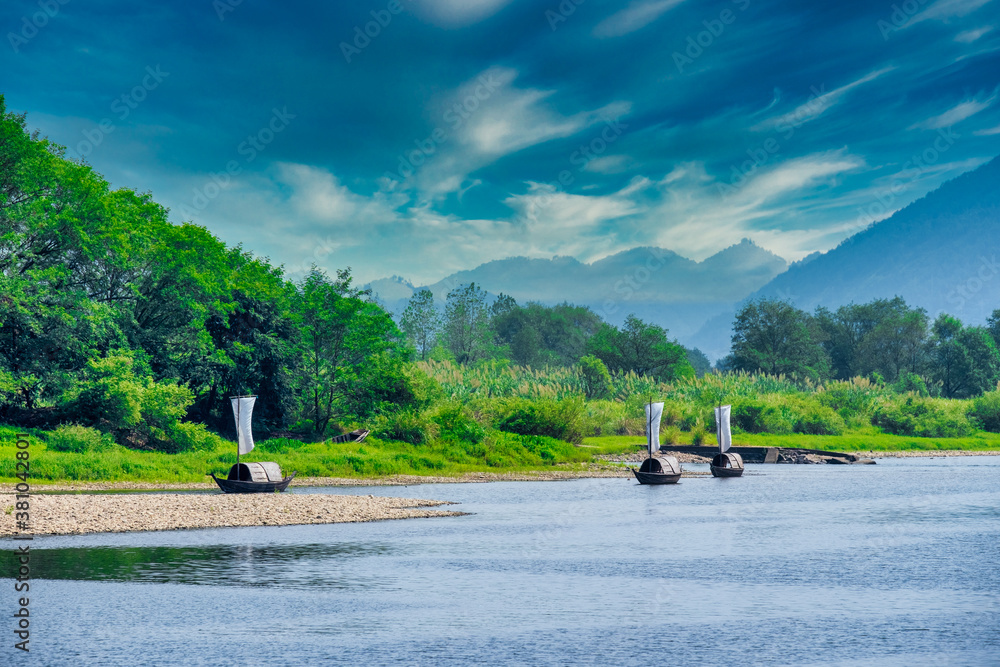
{"x": 656, "y": 284}
{"x": 941, "y": 253}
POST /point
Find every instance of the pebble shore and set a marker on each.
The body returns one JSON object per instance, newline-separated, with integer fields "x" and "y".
{"x": 79, "y": 514}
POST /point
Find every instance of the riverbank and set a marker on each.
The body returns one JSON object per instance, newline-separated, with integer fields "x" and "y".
{"x": 80, "y": 514}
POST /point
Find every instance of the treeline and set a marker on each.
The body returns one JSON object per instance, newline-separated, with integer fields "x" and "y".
{"x": 884, "y": 340}
{"x": 468, "y": 331}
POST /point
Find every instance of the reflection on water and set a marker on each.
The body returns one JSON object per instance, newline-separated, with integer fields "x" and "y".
{"x": 287, "y": 566}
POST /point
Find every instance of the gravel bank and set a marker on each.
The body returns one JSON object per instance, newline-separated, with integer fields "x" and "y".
{"x": 79, "y": 514}
{"x": 927, "y": 453}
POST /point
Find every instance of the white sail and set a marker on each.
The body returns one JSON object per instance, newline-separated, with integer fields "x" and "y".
{"x": 242, "y": 411}
{"x": 654, "y": 412}
{"x": 723, "y": 433}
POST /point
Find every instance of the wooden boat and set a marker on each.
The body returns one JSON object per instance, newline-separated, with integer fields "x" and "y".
{"x": 354, "y": 436}
{"x": 258, "y": 477}
{"x": 729, "y": 464}
{"x": 659, "y": 470}
{"x": 262, "y": 477}
{"x": 656, "y": 469}
{"x": 725, "y": 463}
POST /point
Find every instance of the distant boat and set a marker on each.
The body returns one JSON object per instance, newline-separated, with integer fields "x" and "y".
{"x": 659, "y": 469}
{"x": 263, "y": 477}
{"x": 725, "y": 463}
{"x": 354, "y": 436}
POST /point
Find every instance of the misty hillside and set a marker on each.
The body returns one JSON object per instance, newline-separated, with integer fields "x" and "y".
{"x": 657, "y": 285}
{"x": 940, "y": 253}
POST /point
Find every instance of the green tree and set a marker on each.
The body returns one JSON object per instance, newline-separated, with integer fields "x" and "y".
{"x": 777, "y": 338}
{"x": 342, "y": 334}
{"x": 965, "y": 360}
{"x": 884, "y": 336}
{"x": 466, "y": 324}
{"x": 641, "y": 348}
{"x": 421, "y": 321}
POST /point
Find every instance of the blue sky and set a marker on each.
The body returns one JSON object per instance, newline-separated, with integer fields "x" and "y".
{"x": 420, "y": 137}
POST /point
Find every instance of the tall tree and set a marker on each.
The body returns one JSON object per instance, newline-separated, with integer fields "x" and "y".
{"x": 341, "y": 334}
{"x": 775, "y": 337}
{"x": 641, "y": 348}
{"x": 965, "y": 360}
{"x": 466, "y": 324}
{"x": 420, "y": 321}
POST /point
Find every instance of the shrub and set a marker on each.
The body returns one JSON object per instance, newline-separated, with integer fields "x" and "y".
{"x": 456, "y": 422}
{"x": 698, "y": 434}
{"x": 595, "y": 378}
{"x": 76, "y": 438}
{"x": 406, "y": 426}
{"x": 671, "y": 435}
{"x": 185, "y": 436}
{"x": 924, "y": 417}
{"x": 563, "y": 420}
{"x": 986, "y": 411}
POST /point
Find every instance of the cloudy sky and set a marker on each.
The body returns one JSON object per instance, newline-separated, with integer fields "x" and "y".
{"x": 419, "y": 137}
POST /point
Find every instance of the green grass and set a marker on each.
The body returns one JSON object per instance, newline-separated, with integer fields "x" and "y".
{"x": 498, "y": 452}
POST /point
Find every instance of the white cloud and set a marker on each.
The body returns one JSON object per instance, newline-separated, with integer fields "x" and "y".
{"x": 956, "y": 114}
{"x": 637, "y": 15}
{"x": 456, "y": 13}
{"x": 988, "y": 132}
{"x": 817, "y": 105}
{"x": 945, "y": 10}
{"x": 969, "y": 36}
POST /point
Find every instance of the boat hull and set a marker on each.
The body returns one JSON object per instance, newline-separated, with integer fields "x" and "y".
{"x": 238, "y": 486}
{"x": 656, "y": 477}
{"x": 728, "y": 464}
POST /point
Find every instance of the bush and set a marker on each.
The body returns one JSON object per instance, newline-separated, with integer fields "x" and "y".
{"x": 406, "y": 426}
{"x": 563, "y": 420}
{"x": 78, "y": 439}
{"x": 595, "y": 378}
{"x": 814, "y": 419}
{"x": 671, "y": 435}
{"x": 456, "y": 422}
{"x": 986, "y": 411}
{"x": 924, "y": 417}
{"x": 186, "y": 436}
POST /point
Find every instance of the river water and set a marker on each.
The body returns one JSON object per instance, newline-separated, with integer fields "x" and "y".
{"x": 893, "y": 564}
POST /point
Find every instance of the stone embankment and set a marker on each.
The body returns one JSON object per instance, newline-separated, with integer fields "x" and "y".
{"x": 78, "y": 514}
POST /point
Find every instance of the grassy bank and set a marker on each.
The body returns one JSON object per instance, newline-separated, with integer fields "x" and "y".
{"x": 497, "y": 452}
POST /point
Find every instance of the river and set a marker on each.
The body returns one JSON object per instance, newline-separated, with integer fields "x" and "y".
{"x": 893, "y": 564}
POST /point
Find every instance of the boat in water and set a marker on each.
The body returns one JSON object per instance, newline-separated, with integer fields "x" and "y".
{"x": 260, "y": 477}
{"x": 725, "y": 463}
{"x": 656, "y": 469}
